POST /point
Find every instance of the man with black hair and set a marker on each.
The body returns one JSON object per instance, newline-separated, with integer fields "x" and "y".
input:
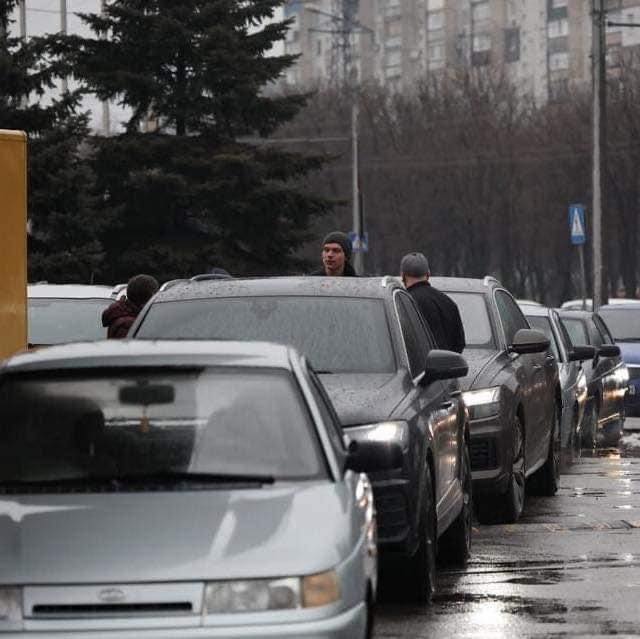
{"x": 440, "y": 312}
{"x": 119, "y": 317}
{"x": 336, "y": 256}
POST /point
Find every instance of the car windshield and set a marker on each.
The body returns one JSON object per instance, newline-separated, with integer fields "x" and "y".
{"x": 543, "y": 324}
{"x": 577, "y": 331}
{"x": 60, "y": 321}
{"x": 475, "y": 319}
{"x": 624, "y": 323}
{"x": 122, "y": 425}
{"x": 337, "y": 334}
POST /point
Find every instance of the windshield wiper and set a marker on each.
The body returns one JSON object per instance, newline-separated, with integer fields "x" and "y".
{"x": 195, "y": 478}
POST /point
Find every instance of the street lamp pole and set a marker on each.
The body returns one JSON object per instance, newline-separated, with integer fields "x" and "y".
{"x": 64, "y": 31}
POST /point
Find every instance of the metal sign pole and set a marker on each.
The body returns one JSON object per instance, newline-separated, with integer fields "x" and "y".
{"x": 583, "y": 277}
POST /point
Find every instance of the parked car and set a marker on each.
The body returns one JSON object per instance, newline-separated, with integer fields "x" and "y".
{"x": 577, "y": 305}
{"x": 63, "y": 313}
{"x": 368, "y": 343}
{"x": 623, "y": 323}
{"x": 180, "y": 490}
{"x": 573, "y": 381}
{"x": 607, "y": 377}
{"x": 514, "y": 399}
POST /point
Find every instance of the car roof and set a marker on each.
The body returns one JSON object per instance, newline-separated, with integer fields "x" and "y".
{"x": 534, "y": 310}
{"x": 575, "y": 314}
{"x": 464, "y": 284}
{"x": 69, "y": 291}
{"x": 133, "y": 353}
{"x": 629, "y": 306}
{"x": 375, "y": 287}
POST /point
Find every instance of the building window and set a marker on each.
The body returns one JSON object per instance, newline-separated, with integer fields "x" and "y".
{"x": 435, "y": 21}
{"x": 559, "y": 61}
{"x": 558, "y": 4}
{"x": 481, "y": 42}
{"x": 393, "y": 58}
{"x": 480, "y": 11}
{"x": 558, "y": 28}
{"x": 435, "y": 5}
{"x": 512, "y": 45}
{"x": 319, "y": 47}
{"x": 393, "y": 28}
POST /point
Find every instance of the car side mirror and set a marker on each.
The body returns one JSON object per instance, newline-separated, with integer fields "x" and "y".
{"x": 609, "y": 350}
{"x": 529, "y": 340}
{"x": 444, "y": 365}
{"x": 373, "y": 456}
{"x": 581, "y": 353}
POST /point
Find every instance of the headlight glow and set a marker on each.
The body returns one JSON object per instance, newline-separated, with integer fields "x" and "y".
{"x": 383, "y": 432}
{"x": 10, "y": 609}
{"x": 483, "y": 403}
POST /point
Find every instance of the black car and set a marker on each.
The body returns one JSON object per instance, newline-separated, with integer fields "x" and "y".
{"x": 514, "y": 400}
{"x": 368, "y": 343}
{"x": 607, "y": 378}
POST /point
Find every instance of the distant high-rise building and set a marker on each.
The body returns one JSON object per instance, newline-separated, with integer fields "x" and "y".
{"x": 543, "y": 45}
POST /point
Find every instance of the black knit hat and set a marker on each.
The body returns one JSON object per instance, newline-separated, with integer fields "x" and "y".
{"x": 337, "y": 237}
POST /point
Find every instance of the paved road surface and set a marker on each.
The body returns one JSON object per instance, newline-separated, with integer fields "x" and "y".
{"x": 570, "y": 567}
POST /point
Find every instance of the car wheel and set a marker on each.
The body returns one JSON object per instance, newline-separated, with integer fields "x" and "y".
{"x": 454, "y": 545}
{"x": 507, "y": 508}
{"x": 545, "y": 481}
{"x": 420, "y": 573}
{"x": 590, "y": 426}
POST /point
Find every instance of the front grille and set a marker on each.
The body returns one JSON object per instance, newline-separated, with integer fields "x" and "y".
{"x": 483, "y": 454}
{"x": 110, "y": 609}
{"x": 391, "y": 507}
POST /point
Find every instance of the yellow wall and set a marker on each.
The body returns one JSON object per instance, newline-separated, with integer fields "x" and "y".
{"x": 13, "y": 242}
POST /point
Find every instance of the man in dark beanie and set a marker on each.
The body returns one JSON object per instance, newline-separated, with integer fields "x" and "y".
{"x": 440, "y": 312}
{"x": 336, "y": 256}
{"x": 119, "y": 317}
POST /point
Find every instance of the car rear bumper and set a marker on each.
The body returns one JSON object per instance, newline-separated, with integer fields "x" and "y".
{"x": 490, "y": 459}
{"x": 350, "y": 624}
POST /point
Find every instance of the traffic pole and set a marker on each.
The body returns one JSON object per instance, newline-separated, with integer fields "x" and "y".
{"x": 583, "y": 277}
{"x": 358, "y": 261}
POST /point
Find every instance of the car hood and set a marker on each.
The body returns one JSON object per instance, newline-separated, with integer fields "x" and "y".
{"x": 365, "y": 398}
{"x": 630, "y": 352}
{"x": 283, "y": 529}
{"x": 478, "y": 360}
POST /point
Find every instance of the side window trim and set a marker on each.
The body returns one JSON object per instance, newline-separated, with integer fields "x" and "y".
{"x": 396, "y": 302}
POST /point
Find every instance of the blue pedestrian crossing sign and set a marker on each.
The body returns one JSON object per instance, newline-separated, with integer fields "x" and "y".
{"x": 577, "y": 226}
{"x": 359, "y": 244}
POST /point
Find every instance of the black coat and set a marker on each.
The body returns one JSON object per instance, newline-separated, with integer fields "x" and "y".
{"x": 349, "y": 271}
{"x": 441, "y": 314}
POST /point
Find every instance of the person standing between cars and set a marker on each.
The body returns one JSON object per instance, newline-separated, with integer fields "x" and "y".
{"x": 119, "y": 317}
{"x": 440, "y": 312}
{"x": 336, "y": 256}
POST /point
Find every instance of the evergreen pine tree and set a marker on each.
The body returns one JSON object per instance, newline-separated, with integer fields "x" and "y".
{"x": 185, "y": 192}
{"x": 63, "y": 246}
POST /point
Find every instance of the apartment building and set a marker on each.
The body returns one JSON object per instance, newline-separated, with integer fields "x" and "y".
{"x": 544, "y": 45}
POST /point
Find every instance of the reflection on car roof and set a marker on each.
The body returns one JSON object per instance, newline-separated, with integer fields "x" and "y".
{"x": 69, "y": 291}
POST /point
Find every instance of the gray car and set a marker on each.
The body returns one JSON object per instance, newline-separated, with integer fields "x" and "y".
{"x": 573, "y": 381}
{"x": 181, "y": 490}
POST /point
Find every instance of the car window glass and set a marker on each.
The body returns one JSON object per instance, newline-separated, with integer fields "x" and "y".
{"x": 603, "y": 330}
{"x": 623, "y": 323}
{"x": 425, "y": 339}
{"x": 411, "y": 340}
{"x": 564, "y": 336}
{"x": 512, "y": 318}
{"x": 475, "y": 319}
{"x": 335, "y": 334}
{"x": 577, "y": 331}
{"x": 543, "y": 324}
{"x": 594, "y": 334}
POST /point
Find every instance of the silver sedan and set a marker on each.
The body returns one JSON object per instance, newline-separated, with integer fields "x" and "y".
{"x": 180, "y": 490}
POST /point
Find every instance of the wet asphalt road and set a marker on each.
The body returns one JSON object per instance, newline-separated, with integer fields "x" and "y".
{"x": 570, "y": 567}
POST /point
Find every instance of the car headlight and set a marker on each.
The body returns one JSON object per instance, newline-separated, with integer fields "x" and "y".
{"x": 10, "y": 609}
{"x": 382, "y": 432}
{"x": 261, "y": 595}
{"x": 483, "y": 403}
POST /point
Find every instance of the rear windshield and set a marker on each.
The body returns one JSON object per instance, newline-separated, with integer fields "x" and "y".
{"x": 577, "y": 331}
{"x": 624, "y": 324}
{"x": 337, "y": 334}
{"x": 59, "y": 321}
{"x": 475, "y": 319}
{"x": 146, "y": 422}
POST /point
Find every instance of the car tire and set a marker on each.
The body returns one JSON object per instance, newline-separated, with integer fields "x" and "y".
{"x": 507, "y": 508}
{"x": 454, "y": 546}
{"x": 419, "y": 575}
{"x": 545, "y": 480}
{"x": 590, "y": 426}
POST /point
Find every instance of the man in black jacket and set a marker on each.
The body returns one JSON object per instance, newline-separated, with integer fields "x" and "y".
{"x": 440, "y": 312}
{"x": 336, "y": 256}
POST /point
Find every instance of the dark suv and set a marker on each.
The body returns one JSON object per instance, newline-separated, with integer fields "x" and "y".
{"x": 368, "y": 343}
{"x": 513, "y": 395}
